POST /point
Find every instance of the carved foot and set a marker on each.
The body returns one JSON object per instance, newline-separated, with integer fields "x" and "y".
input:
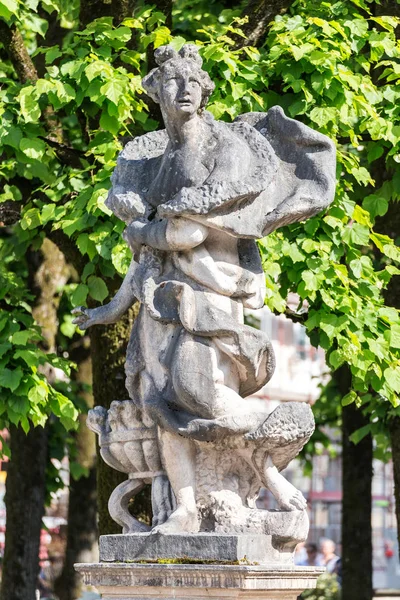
{"x": 182, "y": 520}
{"x": 287, "y": 496}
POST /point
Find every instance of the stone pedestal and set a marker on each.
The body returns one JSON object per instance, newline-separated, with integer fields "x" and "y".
{"x": 222, "y": 548}
{"x": 133, "y": 581}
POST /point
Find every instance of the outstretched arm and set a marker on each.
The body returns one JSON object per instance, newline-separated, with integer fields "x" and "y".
{"x": 113, "y": 311}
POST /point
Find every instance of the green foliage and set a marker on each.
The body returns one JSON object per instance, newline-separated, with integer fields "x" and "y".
{"x": 26, "y": 395}
{"x": 342, "y": 82}
{"x": 327, "y": 589}
{"x": 92, "y": 100}
{"x": 331, "y": 64}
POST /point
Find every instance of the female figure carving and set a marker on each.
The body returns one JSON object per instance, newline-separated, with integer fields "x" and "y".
{"x": 195, "y": 197}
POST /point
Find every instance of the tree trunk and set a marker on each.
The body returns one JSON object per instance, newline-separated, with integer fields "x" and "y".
{"x": 81, "y": 536}
{"x": 108, "y": 344}
{"x": 356, "y": 503}
{"x": 394, "y": 430}
{"x": 25, "y": 496}
{"x": 82, "y": 505}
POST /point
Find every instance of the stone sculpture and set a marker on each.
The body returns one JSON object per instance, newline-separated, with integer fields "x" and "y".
{"x": 195, "y": 197}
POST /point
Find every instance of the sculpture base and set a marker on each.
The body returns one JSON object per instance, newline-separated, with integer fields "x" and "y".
{"x": 200, "y": 547}
{"x": 127, "y": 581}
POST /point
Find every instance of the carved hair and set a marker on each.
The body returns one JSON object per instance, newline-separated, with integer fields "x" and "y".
{"x": 168, "y": 58}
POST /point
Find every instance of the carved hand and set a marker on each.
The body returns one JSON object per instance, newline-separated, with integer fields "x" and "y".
{"x": 85, "y": 317}
{"x": 133, "y": 235}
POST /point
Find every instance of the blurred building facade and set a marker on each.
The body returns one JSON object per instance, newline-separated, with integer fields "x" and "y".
{"x": 300, "y": 369}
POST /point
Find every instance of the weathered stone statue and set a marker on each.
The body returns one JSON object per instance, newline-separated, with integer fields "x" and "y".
{"x": 195, "y": 197}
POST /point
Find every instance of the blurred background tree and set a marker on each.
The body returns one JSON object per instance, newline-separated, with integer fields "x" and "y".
{"x": 71, "y": 97}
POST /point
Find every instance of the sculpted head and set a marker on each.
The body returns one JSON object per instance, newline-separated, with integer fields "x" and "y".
{"x": 179, "y": 84}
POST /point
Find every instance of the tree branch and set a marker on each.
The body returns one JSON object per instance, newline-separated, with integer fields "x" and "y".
{"x": 17, "y": 52}
{"x": 95, "y": 9}
{"x": 67, "y": 155}
{"x": 10, "y": 213}
{"x": 260, "y": 13}
{"x": 296, "y": 317}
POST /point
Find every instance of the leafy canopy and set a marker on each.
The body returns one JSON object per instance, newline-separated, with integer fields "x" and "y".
{"x": 333, "y": 65}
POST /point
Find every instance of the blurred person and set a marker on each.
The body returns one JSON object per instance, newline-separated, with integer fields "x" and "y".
{"x": 329, "y": 558}
{"x": 312, "y": 557}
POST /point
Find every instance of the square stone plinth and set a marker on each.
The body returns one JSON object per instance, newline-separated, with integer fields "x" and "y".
{"x": 127, "y": 581}
{"x": 202, "y": 547}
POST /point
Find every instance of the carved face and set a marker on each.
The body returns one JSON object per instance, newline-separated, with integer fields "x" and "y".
{"x": 180, "y": 90}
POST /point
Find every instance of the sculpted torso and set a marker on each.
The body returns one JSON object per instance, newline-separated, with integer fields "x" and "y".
{"x": 191, "y": 360}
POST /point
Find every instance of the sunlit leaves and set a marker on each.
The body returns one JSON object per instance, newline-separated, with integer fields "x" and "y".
{"x": 8, "y": 8}
{"x": 29, "y": 105}
{"x": 337, "y": 69}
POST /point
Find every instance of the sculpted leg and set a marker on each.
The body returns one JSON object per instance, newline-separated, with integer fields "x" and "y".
{"x": 287, "y": 496}
{"x": 206, "y": 383}
{"x": 179, "y": 456}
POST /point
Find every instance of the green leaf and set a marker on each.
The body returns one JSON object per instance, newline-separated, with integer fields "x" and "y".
{"x": 391, "y": 251}
{"x": 52, "y": 53}
{"x": 88, "y": 269}
{"x": 77, "y": 470}
{"x": 113, "y": 90}
{"x": 31, "y": 219}
{"x": 322, "y": 115}
{"x": 310, "y": 280}
{"x": 362, "y": 175}
{"x": 33, "y": 148}
{"x": 21, "y": 337}
{"x": 123, "y": 34}
{"x": 295, "y": 253}
{"x": 11, "y": 378}
{"x": 98, "y": 68}
{"x": 63, "y": 407}
{"x": 67, "y": 327}
{"x": 375, "y": 205}
{"x": 336, "y": 359}
{"x": 389, "y": 314}
{"x": 38, "y": 394}
{"x": 349, "y": 398}
{"x": 28, "y": 356}
{"x": 357, "y": 267}
{"x": 360, "y": 434}
{"x": 161, "y": 36}
{"x": 356, "y": 234}
{"x": 79, "y": 295}
{"x": 375, "y": 152}
{"x": 121, "y": 258}
{"x": 4, "y": 347}
{"x": 108, "y": 123}
{"x": 29, "y": 105}
{"x": 97, "y": 288}
{"x": 13, "y": 137}
{"x": 394, "y": 336}
{"x": 380, "y": 240}
{"x": 8, "y": 8}
{"x": 35, "y": 23}
{"x": 332, "y": 324}
{"x": 392, "y": 377}
{"x": 361, "y": 216}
